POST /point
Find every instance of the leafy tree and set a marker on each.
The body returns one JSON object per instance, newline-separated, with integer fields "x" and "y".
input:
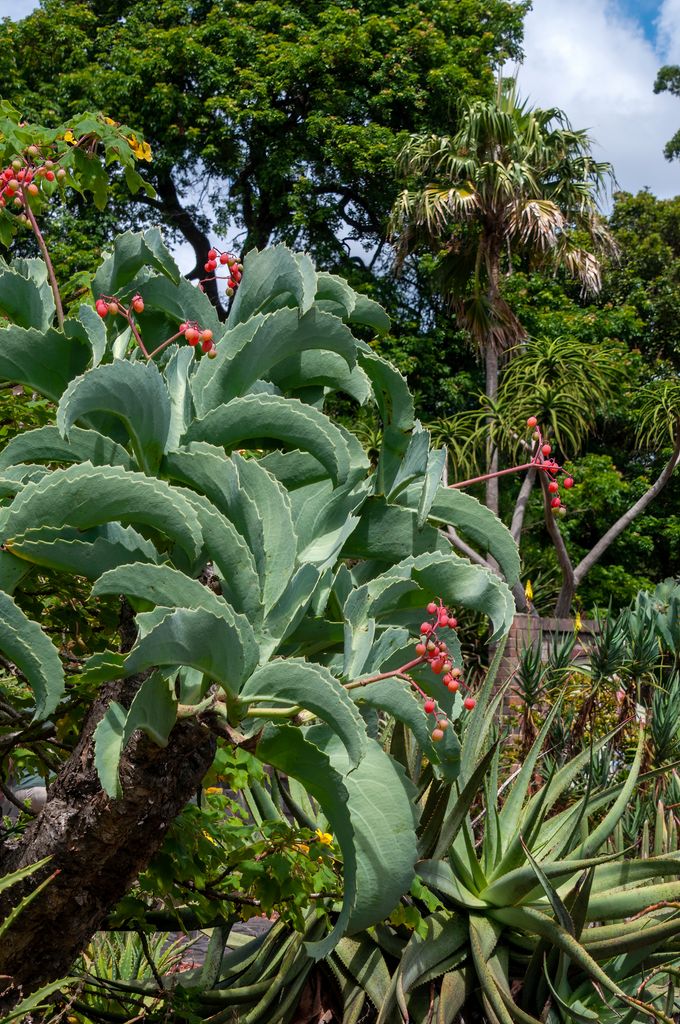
{"x": 668, "y": 80}
{"x": 290, "y": 115}
{"x": 510, "y": 180}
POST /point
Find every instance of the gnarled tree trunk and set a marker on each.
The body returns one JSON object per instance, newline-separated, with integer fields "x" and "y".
{"x": 99, "y": 845}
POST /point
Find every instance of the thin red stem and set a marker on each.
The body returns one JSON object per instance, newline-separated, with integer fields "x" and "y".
{"x": 400, "y": 672}
{"x": 46, "y": 256}
{"x": 164, "y": 344}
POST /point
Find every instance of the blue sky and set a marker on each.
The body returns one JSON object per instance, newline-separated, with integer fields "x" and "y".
{"x": 597, "y": 60}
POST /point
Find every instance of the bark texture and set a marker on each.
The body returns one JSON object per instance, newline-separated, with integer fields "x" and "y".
{"x": 98, "y": 844}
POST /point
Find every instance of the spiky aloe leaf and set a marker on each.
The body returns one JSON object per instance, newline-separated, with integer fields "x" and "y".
{"x": 42, "y": 360}
{"x": 279, "y": 539}
{"x": 134, "y": 393}
{"x": 46, "y": 444}
{"x": 198, "y": 638}
{"x": 166, "y": 587}
{"x": 398, "y": 698}
{"x": 132, "y": 251}
{"x": 253, "y": 356}
{"x": 176, "y": 375}
{"x": 395, "y": 405}
{"x": 381, "y": 803}
{"x": 84, "y": 496}
{"x": 88, "y": 553}
{"x": 23, "y": 642}
{"x": 478, "y": 525}
{"x": 25, "y": 300}
{"x": 287, "y": 749}
{"x": 362, "y": 959}
{"x": 271, "y": 278}
{"x": 285, "y": 420}
{"x": 312, "y": 687}
{"x": 90, "y": 327}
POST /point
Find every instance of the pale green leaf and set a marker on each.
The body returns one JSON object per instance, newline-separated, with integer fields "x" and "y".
{"x": 23, "y": 642}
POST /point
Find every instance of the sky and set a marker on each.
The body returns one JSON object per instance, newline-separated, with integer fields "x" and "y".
{"x": 597, "y": 61}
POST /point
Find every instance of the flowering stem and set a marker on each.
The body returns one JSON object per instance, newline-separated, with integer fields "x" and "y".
{"x": 500, "y": 472}
{"x": 48, "y": 262}
{"x": 399, "y": 672}
{"x": 133, "y": 328}
{"x": 163, "y": 345}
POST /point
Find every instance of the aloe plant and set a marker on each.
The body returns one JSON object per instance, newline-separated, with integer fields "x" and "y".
{"x": 274, "y": 571}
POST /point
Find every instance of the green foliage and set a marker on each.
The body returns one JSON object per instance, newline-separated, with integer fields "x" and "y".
{"x": 272, "y": 531}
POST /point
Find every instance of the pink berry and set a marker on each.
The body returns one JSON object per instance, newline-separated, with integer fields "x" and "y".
{"x": 453, "y": 686}
{"x": 546, "y": 449}
{"x": 436, "y": 665}
{"x": 420, "y": 650}
{"x": 426, "y": 628}
{"x": 224, "y": 258}
{"x": 138, "y": 303}
{"x": 452, "y": 623}
{"x": 553, "y": 487}
{"x": 49, "y": 175}
{"x": 555, "y": 503}
{"x": 212, "y": 254}
{"x": 469, "y": 703}
{"x": 532, "y": 421}
{"x": 182, "y": 328}
{"x": 431, "y": 608}
{"x": 568, "y": 482}
{"x": 101, "y": 307}
{"x": 437, "y": 735}
{"x": 429, "y": 706}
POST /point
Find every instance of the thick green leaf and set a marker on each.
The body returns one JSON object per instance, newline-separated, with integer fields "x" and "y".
{"x": 231, "y": 558}
{"x": 177, "y": 302}
{"x": 278, "y": 336}
{"x": 369, "y": 313}
{"x": 478, "y": 525}
{"x": 381, "y": 805}
{"x": 200, "y": 639}
{"x": 132, "y": 251}
{"x": 23, "y": 642}
{"x": 132, "y": 392}
{"x": 23, "y": 301}
{"x": 166, "y": 587}
{"x": 47, "y": 445}
{"x": 42, "y": 360}
{"x": 324, "y": 525}
{"x": 399, "y": 699}
{"x": 437, "y": 874}
{"x": 285, "y": 420}
{"x": 271, "y": 278}
{"x": 153, "y": 710}
{"x": 95, "y": 332}
{"x": 320, "y": 369}
{"x": 176, "y": 374}
{"x": 287, "y": 749}
{"x": 395, "y": 405}
{"x": 390, "y": 533}
{"x": 84, "y": 496}
{"x": 276, "y": 559}
{"x": 87, "y": 553}
{"x": 312, "y": 687}
{"x": 414, "y": 463}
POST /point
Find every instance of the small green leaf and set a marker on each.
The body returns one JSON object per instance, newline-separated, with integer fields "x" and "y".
{"x": 132, "y": 251}
{"x": 46, "y": 444}
{"x": 271, "y": 278}
{"x": 42, "y": 360}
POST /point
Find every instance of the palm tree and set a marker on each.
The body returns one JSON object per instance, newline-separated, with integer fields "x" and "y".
{"x": 513, "y": 180}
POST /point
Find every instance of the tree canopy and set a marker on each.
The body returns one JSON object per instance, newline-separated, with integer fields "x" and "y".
{"x": 289, "y": 115}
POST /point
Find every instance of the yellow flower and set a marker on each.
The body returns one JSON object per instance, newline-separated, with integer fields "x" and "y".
{"x": 109, "y": 120}
{"x": 578, "y": 625}
{"x": 324, "y": 837}
{"x": 141, "y": 149}
{"x": 69, "y": 136}
{"x": 213, "y": 789}
{"x": 529, "y": 591}
{"x": 301, "y": 847}
{"x": 209, "y": 838}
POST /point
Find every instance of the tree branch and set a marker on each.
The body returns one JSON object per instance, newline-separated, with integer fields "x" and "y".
{"x": 521, "y": 505}
{"x": 595, "y": 553}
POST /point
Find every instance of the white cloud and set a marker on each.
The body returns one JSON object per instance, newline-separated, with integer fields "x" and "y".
{"x": 590, "y": 59}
